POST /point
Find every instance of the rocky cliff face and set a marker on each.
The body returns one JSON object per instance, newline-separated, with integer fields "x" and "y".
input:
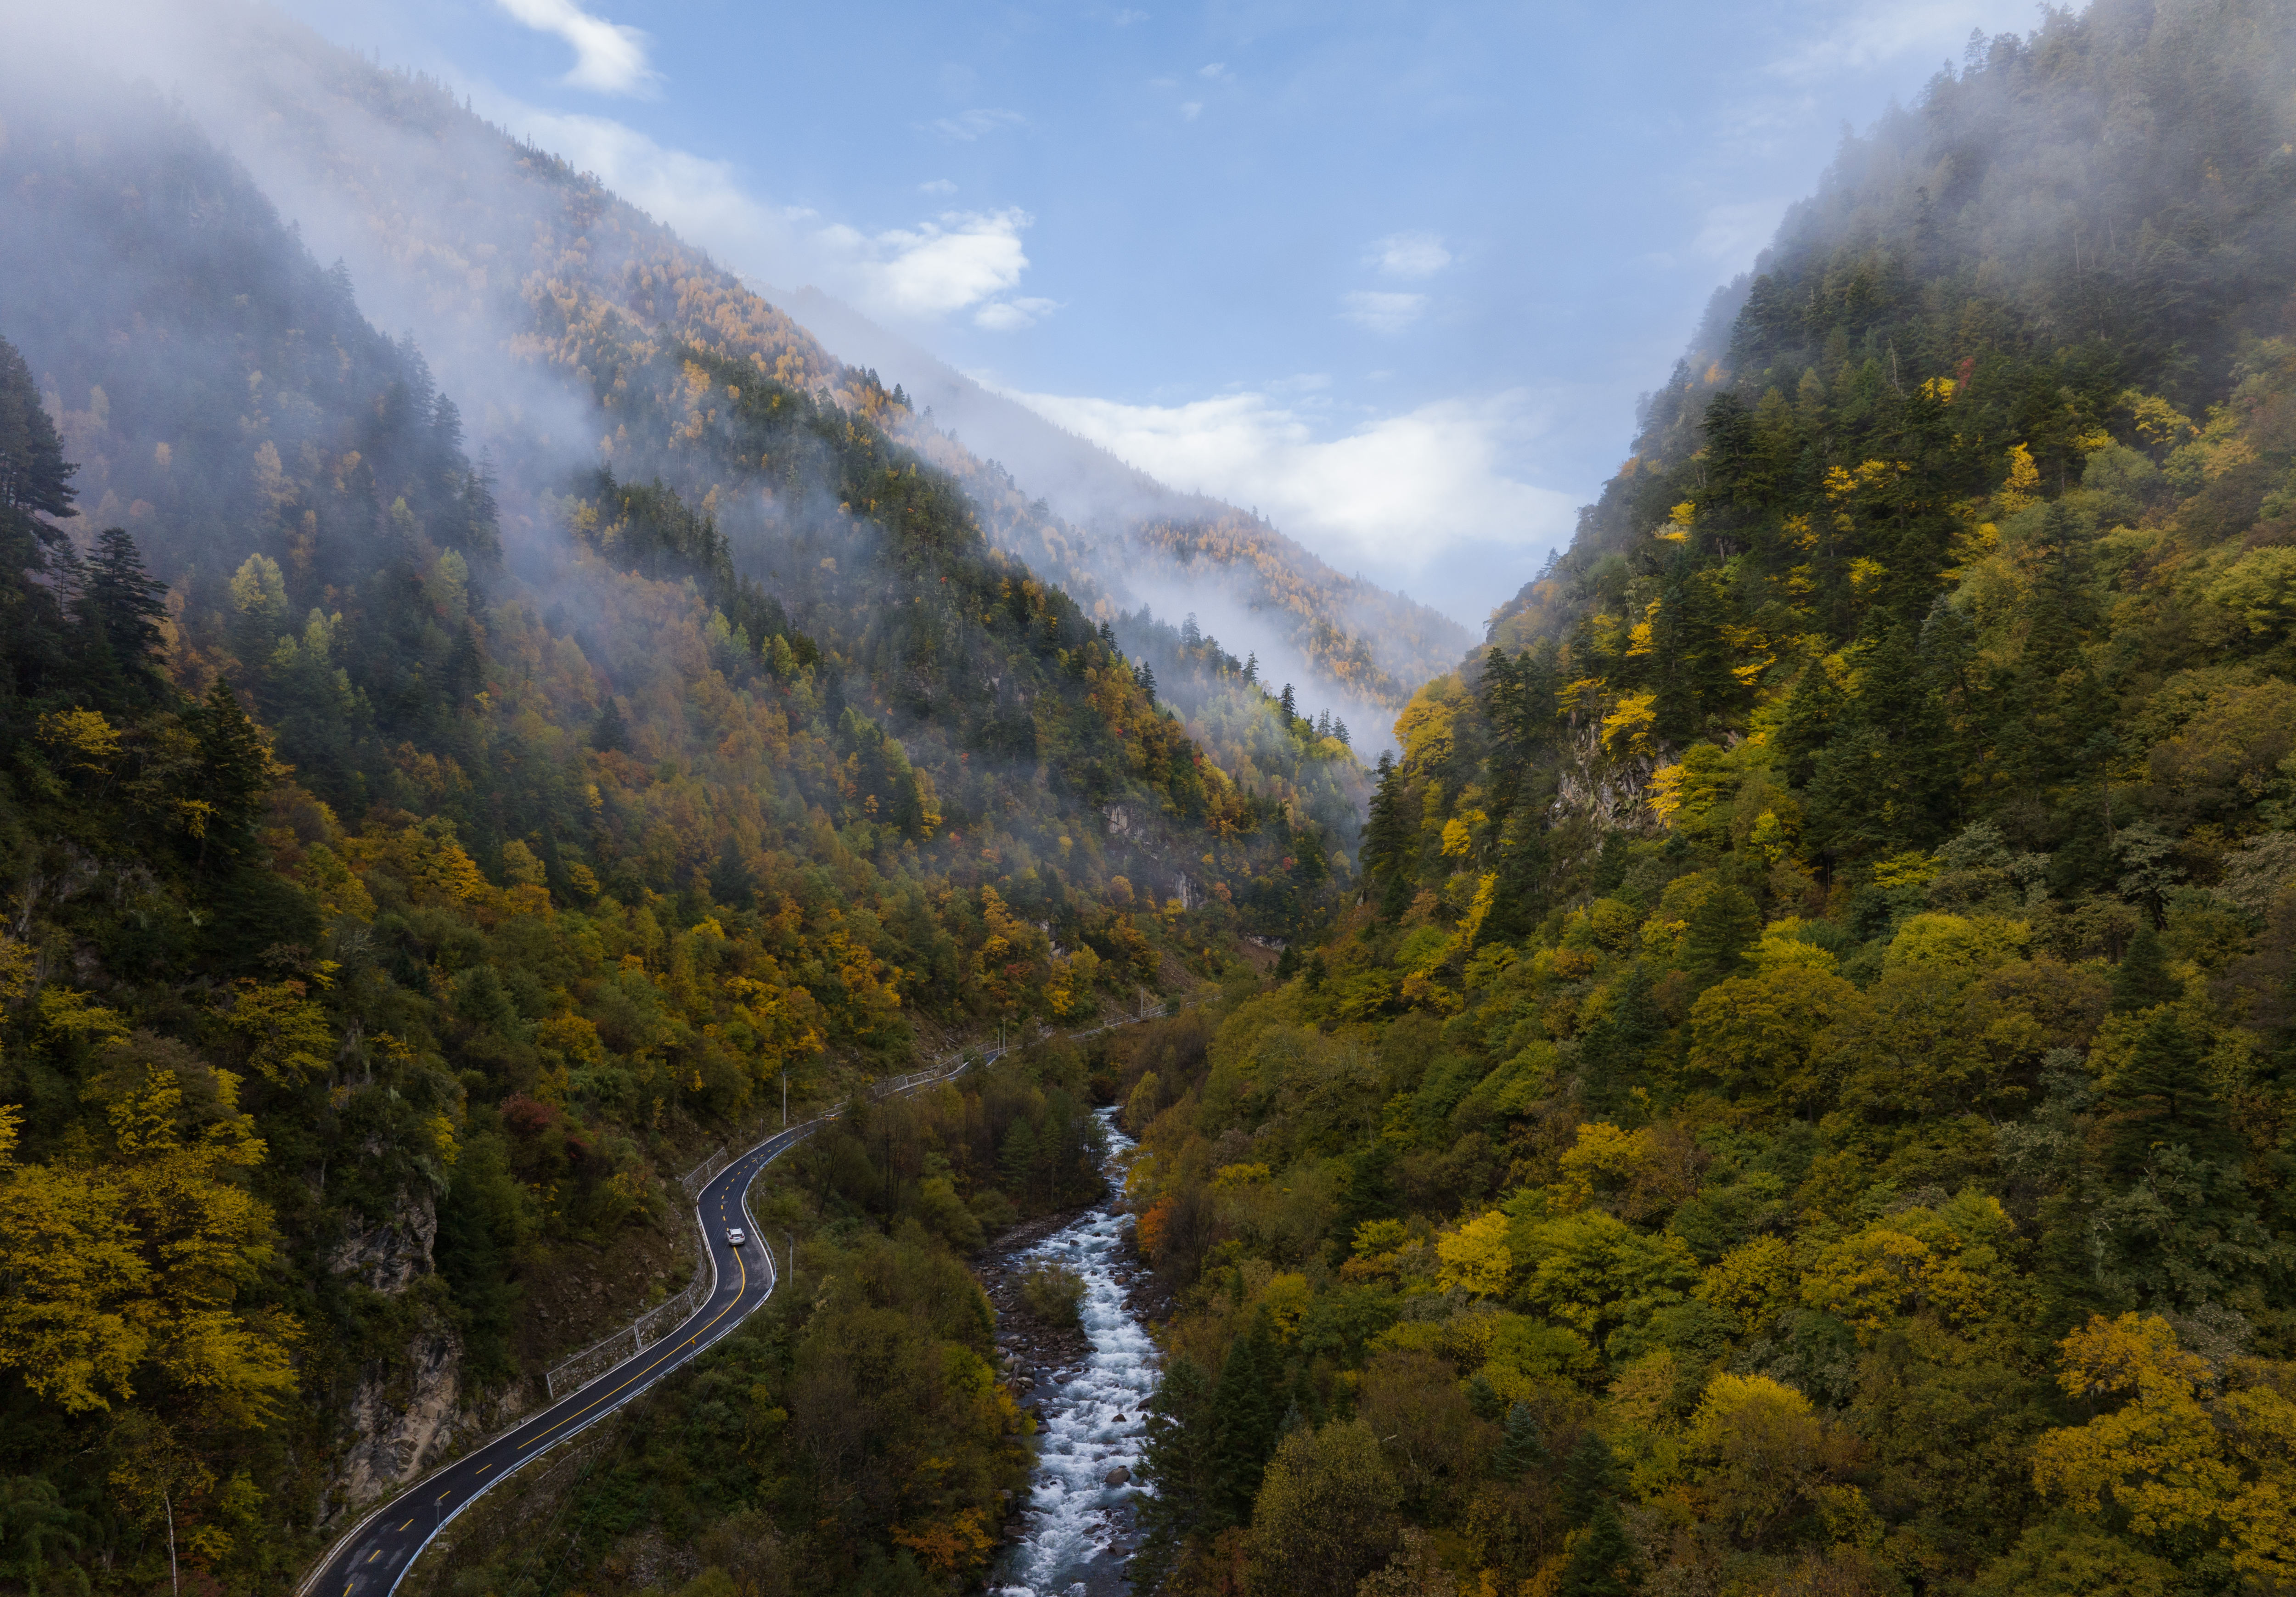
{"x": 409, "y": 1411}
{"x": 405, "y": 1416}
{"x": 390, "y": 1256}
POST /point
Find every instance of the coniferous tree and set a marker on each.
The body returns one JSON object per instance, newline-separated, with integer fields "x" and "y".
{"x": 34, "y": 475}
{"x": 235, "y": 771}
{"x": 1388, "y": 834}
{"x": 1602, "y": 1559}
{"x": 34, "y": 478}
{"x": 1018, "y": 1158}
{"x": 1248, "y": 1408}
{"x": 1590, "y": 1476}
{"x": 1524, "y": 1448}
{"x": 611, "y": 734}
{"x": 1615, "y": 1045}
{"x": 1177, "y": 1459}
{"x": 2141, "y": 978}
{"x": 123, "y": 606}
{"x": 1812, "y": 710}
{"x": 2159, "y": 1099}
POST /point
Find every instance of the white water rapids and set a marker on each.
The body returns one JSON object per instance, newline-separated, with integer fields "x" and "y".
{"x": 1076, "y": 1533}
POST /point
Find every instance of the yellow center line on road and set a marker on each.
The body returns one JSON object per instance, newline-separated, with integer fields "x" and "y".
{"x": 673, "y": 1353}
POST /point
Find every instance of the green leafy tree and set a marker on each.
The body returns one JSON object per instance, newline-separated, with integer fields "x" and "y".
{"x": 1324, "y": 1518}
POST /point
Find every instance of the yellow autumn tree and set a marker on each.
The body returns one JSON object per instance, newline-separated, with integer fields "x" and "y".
{"x": 1476, "y": 1256}
{"x": 288, "y": 1039}
{"x": 2188, "y": 1468}
{"x": 122, "y": 1274}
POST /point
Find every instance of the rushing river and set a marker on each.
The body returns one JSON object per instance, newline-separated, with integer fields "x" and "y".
{"x": 1077, "y": 1531}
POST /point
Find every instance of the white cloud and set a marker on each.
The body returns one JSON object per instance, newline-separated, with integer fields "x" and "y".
{"x": 1011, "y": 316}
{"x": 1212, "y": 70}
{"x": 608, "y": 56}
{"x": 968, "y": 126}
{"x": 1190, "y": 110}
{"x": 1395, "y": 496}
{"x": 1381, "y": 312}
{"x": 956, "y": 261}
{"x": 1125, "y": 18}
{"x": 701, "y": 198}
{"x": 939, "y": 185}
{"x": 960, "y": 259}
{"x": 1410, "y": 255}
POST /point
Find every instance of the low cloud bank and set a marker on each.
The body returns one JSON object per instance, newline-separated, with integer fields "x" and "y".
{"x": 1399, "y": 499}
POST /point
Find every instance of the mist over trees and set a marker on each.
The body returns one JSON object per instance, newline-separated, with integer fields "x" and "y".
{"x": 1802, "y": 1102}
{"x": 1777, "y": 1083}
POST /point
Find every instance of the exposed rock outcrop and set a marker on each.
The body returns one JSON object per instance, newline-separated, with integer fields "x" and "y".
{"x": 404, "y": 1419}
{"x": 410, "y": 1411}
{"x": 392, "y": 1256}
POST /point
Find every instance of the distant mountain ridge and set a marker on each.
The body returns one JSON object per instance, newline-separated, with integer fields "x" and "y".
{"x": 1142, "y": 539}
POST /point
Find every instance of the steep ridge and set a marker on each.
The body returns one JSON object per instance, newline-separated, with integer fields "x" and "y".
{"x": 452, "y": 228}
{"x": 1805, "y": 1104}
{"x": 486, "y": 247}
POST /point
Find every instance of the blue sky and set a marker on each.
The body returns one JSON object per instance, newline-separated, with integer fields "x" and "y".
{"x": 1393, "y": 273}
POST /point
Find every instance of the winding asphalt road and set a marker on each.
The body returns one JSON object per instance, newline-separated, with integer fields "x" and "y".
{"x": 375, "y": 1557}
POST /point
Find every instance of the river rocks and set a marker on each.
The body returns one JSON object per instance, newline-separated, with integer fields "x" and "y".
{"x": 1079, "y": 1513}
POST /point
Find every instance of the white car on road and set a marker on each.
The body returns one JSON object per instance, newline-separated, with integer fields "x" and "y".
{"x": 736, "y": 1235}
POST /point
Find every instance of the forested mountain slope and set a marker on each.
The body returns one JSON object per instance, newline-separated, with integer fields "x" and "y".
{"x": 410, "y": 859}
{"x": 1805, "y": 1104}
{"x": 483, "y": 245}
{"x": 451, "y": 227}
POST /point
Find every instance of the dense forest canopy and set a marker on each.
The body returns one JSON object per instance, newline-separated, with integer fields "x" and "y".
{"x": 1804, "y": 1104}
